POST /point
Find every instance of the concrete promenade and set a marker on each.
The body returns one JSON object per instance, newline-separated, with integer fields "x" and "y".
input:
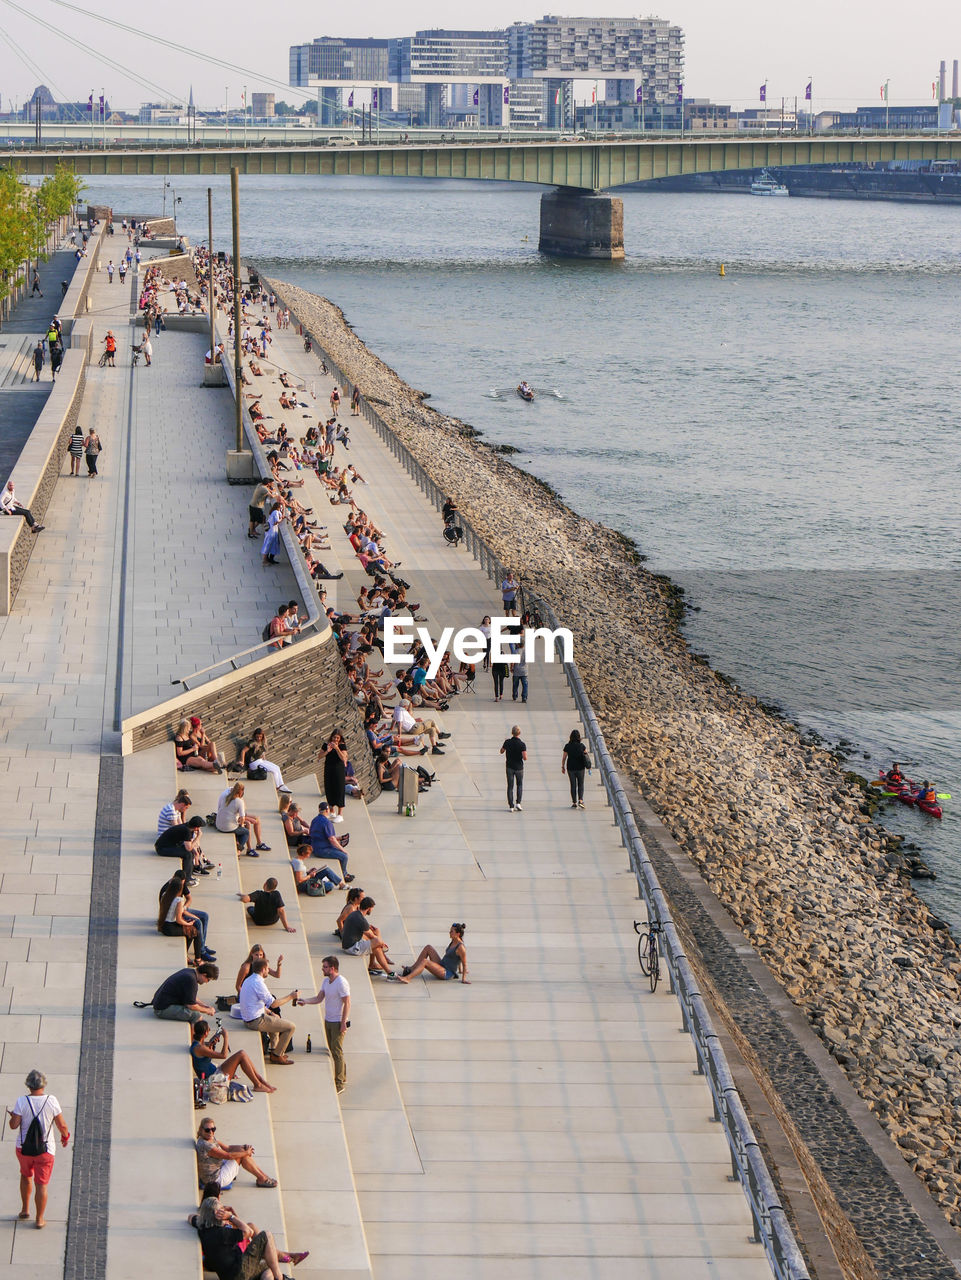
{"x": 545, "y": 1120}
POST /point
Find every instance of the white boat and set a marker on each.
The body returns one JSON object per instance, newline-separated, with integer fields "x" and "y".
{"x": 766, "y": 185}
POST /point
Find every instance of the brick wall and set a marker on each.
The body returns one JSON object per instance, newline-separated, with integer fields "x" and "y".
{"x": 297, "y": 698}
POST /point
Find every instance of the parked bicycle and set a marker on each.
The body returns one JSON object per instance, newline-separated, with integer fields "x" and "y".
{"x": 648, "y": 953}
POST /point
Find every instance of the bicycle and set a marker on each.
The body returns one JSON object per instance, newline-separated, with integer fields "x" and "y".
{"x": 648, "y": 955}
{"x": 102, "y": 362}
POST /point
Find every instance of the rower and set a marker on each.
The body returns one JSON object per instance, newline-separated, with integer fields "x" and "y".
{"x": 894, "y": 775}
{"x": 927, "y": 794}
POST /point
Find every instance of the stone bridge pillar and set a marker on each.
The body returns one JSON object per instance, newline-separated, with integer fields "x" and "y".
{"x": 581, "y": 224}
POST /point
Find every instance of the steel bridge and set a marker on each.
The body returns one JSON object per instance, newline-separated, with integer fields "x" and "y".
{"x": 590, "y": 165}
{"x": 576, "y": 219}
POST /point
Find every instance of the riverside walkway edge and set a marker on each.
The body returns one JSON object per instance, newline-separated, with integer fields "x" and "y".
{"x": 771, "y": 1224}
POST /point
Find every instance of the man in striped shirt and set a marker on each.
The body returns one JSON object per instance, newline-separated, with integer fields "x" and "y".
{"x": 174, "y": 812}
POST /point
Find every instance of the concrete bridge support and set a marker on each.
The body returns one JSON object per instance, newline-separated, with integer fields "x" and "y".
{"x": 581, "y": 224}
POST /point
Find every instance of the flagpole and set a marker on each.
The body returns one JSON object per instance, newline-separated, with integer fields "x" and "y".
{"x": 92, "y": 137}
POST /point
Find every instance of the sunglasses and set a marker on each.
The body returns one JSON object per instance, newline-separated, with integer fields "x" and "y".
{"x": 209, "y": 1128}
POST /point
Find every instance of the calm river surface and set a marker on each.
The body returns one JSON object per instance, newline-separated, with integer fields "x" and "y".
{"x": 783, "y": 441}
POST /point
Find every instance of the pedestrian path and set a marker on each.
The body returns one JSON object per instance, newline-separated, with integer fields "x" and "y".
{"x": 559, "y": 1125}
{"x": 543, "y": 1120}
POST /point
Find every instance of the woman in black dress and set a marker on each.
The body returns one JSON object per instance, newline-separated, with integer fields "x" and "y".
{"x": 575, "y": 762}
{"x": 334, "y": 754}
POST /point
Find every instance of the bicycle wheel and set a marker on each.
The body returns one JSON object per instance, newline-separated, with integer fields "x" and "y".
{"x": 644, "y": 952}
{"x": 654, "y": 963}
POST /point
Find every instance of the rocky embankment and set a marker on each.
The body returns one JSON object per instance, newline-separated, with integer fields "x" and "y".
{"x": 782, "y": 835}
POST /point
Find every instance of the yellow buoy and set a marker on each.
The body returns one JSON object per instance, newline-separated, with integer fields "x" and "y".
{"x": 721, "y": 272}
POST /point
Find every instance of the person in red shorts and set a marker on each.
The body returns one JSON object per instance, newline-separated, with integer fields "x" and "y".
{"x": 37, "y": 1168}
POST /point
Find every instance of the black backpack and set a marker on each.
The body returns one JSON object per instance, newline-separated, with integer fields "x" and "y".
{"x": 265, "y": 634}
{"x": 35, "y": 1140}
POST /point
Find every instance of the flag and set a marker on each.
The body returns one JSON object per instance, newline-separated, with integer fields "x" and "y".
{"x": 90, "y": 104}
{"x": 807, "y": 91}
{"x": 763, "y": 92}
{"x": 374, "y": 99}
{"x": 557, "y": 97}
{"x": 639, "y": 95}
{"x": 594, "y": 94}
{"x": 934, "y": 89}
{"x": 476, "y": 96}
{"x": 680, "y": 94}
{"x": 884, "y": 91}
{"x": 507, "y": 95}
{"x": 350, "y": 100}
{"x": 101, "y": 107}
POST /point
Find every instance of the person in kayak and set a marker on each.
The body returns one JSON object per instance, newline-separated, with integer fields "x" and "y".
{"x": 927, "y": 794}
{"x": 894, "y": 777}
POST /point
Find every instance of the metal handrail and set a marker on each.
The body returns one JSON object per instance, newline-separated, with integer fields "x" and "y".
{"x": 771, "y": 1226}
{"x": 234, "y": 659}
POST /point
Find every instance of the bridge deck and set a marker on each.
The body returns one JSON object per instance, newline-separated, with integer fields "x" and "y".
{"x": 591, "y": 165}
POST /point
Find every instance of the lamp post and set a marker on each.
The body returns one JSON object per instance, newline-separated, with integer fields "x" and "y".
{"x": 163, "y": 211}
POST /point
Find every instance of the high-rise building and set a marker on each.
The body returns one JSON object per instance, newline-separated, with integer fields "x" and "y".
{"x": 450, "y": 57}
{"x": 631, "y": 53}
{"x": 343, "y": 60}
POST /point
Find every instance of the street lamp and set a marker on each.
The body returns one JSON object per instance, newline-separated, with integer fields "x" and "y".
{"x": 167, "y": 185}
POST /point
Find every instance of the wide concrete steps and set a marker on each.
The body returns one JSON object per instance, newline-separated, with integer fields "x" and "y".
{"x": 17, "y": 368}
{"x": 317, "y": 1196}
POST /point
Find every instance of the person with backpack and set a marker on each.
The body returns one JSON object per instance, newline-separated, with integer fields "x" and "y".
{"x": 35, "y": 1115}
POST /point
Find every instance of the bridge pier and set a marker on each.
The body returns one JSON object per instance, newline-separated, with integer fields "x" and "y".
{"x": 581, "y": 224}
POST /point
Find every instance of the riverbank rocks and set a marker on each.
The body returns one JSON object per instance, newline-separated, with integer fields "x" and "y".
{"x": 776, "y": 828}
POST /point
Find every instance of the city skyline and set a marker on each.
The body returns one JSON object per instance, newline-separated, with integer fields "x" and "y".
{"x": 729, "y": 51}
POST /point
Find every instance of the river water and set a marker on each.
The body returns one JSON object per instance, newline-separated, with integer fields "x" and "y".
{"x": 782, "y": 440}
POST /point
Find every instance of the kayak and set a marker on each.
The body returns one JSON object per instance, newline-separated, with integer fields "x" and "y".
{"x": 909, "y": 797}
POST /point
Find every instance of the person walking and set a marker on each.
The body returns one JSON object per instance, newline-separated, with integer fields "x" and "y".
{"x": 519, "y": 673}
{"x": 146, "y": 348}
{"x": 334, "y": 995}
{"x": 355, "y": 402}
{"x": 575, "y": 762}
{"x": 92, "y": 448}
{"x": 110, "y": 345}
{"x": 122, "y": 269}
{"x": 38, "y": 361}
{"x": 56, "y": 360}
{"x": 36, "y": 1168}
{"x": 75, "y": 450}
{"x": 509, "y": 589}
{"x": 110, "y": 271}
{"x": 515, "y": 752}
{"x": 36, "y": 284}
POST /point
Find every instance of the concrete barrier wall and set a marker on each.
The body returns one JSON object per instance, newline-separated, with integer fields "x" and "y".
{"x": 38, "y": 467}
{"x": 298, "y": 697}
{"x": 75, "y": 301}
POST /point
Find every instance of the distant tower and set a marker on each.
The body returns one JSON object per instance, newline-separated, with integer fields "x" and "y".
{"x": 954, "y": 79}
{"x": 942, "y": 82}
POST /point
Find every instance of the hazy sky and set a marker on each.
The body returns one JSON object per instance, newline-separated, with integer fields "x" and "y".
{"x": 848, "y": 46}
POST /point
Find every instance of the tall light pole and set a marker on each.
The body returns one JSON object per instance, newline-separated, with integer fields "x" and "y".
{"x": 245, "y": 117}
{"x": 887, "y": 107}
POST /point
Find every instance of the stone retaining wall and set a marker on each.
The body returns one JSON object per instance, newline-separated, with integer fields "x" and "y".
{"x": 297, "y": 697}
{"x": 38, "y": 467}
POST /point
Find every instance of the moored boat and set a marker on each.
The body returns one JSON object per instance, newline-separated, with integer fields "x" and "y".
{"x": 767, "y": 185}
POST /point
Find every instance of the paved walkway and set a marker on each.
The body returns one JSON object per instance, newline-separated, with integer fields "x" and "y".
{"x": 545, "y": 1120}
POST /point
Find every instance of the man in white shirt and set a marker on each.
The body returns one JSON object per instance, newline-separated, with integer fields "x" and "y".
{"x": 334, "y": 994}
{"x": 260, "y": 1012}
{"x": 37, "y": 1168}
{"x": 404, "y": 722}
{"x": 11, "y": 507}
